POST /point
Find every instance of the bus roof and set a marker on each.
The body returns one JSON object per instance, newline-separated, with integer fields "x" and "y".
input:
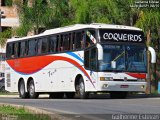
{"x": 77, "y": 27}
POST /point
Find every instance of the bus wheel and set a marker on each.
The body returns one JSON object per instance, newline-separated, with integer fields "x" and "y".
{"x": 117, "y": 94}
{"x": 21, "y": 90}
{"x": 70, "y": 95}
{"x": 31, "y": 90}
{"x": 80, "y": 89}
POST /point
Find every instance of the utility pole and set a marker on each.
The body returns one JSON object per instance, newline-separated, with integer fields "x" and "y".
{"x": 148, "y": 90}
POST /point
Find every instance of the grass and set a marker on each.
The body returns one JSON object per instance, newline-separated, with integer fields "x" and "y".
{"x": 13, "y": 113}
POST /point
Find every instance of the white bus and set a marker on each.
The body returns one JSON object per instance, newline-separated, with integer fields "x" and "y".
{"x": 78, "y": 59}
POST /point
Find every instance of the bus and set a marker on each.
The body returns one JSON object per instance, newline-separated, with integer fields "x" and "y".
{"x": 78, "y": 60}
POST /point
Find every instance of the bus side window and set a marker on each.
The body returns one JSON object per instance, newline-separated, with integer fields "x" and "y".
{"x": 86, "y": 60}
{"x": 73, "y": 41}
{"x": 90, "y": 37}
{"x": 69, "y": 41}
{"x": 32, "y": 47}
{"x": 78, "y": 40}
{"x": 22, "y": 49}
{"x": 9, "y": 50}
{"x": 18, "y": 49}
{"x": 61, "y": 43}
{"x": 66, "y": 42}
{"x": 52, "y": 44}
{"x": 57, "y": 43}
{"x": 44, "y": 45}
{"x": 82, "y": 39}
{"x": 15, "y": 50}
{"x": 39, "y": 46}
{"x": 26, "y": 48}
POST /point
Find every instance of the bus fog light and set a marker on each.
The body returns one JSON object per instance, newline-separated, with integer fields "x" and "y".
{"x": 105, "y": 85}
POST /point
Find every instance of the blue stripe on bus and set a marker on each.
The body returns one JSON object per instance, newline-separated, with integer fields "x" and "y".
{"x": 75, "y": 56}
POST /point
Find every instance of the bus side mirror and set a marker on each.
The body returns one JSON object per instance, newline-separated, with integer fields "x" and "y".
{"x": 153, "y": 54}
{"x": 100, "y": 52}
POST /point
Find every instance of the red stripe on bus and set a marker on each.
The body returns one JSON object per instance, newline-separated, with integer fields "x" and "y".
{"x": 137, "y": 75}
{"x": 35, "y": 64}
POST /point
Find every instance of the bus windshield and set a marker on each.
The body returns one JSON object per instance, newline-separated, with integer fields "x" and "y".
{"x": 128, "y": 58}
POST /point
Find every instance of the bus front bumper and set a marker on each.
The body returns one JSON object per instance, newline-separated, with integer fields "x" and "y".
{"x": 122, "y": 86}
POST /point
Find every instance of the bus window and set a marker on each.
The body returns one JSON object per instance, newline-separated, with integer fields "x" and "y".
{"x": 39, "y": 46}
{"x": 44, "y": 45}
{"x": 52, "y": 44}
{"x": 93, "y": 59}
{"x": 22, "y": 49}
{"x": 15, "y": 54}
{"x": 26, "y": 48}
{"x": 86, "y": 60}
{"x": 72, "y": 41}
{"x": 58, "y": 44}
{"x": 90, "y": 38}
{"x": 78, "y": 40}
{"x": 66, "y": 42}
{"x": 9, "y": 50}
{"x": 32, "y": 48}
{"x": 61, "y": 43}
{"x": 82, "y": 39}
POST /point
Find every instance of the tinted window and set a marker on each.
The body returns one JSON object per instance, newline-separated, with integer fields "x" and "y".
{"x": 86, "y": 59}
{"x": 44, "y": 45}
{"x": 9, "y": 50}
{"x": 66, "y": 42}
{"x": 22, "y": 49}
{"x": 90, "y": 37}
{"x": 52, "y": 43}
{"x": 39, "y": 46}
{"x": 32, "y": 48}
{"x": 78, "y": 40}
{"x": 93, "y": 59}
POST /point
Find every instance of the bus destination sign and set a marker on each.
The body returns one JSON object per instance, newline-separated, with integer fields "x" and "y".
{"x": 122, "y": 36}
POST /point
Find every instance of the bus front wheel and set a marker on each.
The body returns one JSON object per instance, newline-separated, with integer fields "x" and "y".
{"x": 31, "y": 90}
{"x": 21, "y": 90}
{"x": 80, "y": 89}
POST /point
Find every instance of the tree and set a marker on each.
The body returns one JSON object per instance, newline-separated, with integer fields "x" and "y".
{"x": 34, "y": 16}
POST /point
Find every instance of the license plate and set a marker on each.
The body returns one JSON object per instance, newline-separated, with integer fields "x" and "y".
{"x": 124, "y": 86}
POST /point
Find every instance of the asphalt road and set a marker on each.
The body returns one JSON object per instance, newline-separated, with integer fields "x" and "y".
{"x": 95, "y": 108}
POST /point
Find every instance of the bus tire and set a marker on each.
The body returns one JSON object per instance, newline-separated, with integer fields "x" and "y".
{"x": 21, "y": 90}
{"x": 80, "y": 89}
{"x": 70, "y": 95}
{"x": 31, "y": 90}
{"x": 116, "y": 95}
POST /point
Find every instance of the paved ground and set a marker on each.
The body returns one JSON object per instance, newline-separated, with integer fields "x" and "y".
{"x": 100, "y": 107}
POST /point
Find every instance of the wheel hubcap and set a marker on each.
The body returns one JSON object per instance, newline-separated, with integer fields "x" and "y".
{"x": 31, "y": 89}
{"x": 81, "y": 88}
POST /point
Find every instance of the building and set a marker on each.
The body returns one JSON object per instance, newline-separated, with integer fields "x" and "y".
{"x": 9, "y": 14}
{"x": 8, "y": 19}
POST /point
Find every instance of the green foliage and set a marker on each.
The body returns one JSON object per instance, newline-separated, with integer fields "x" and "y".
{"x": 4, "y": 36}
{"x": 8, "y": 2}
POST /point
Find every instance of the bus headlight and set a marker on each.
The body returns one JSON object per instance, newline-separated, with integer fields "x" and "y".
{"x": 106, "y": 78}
